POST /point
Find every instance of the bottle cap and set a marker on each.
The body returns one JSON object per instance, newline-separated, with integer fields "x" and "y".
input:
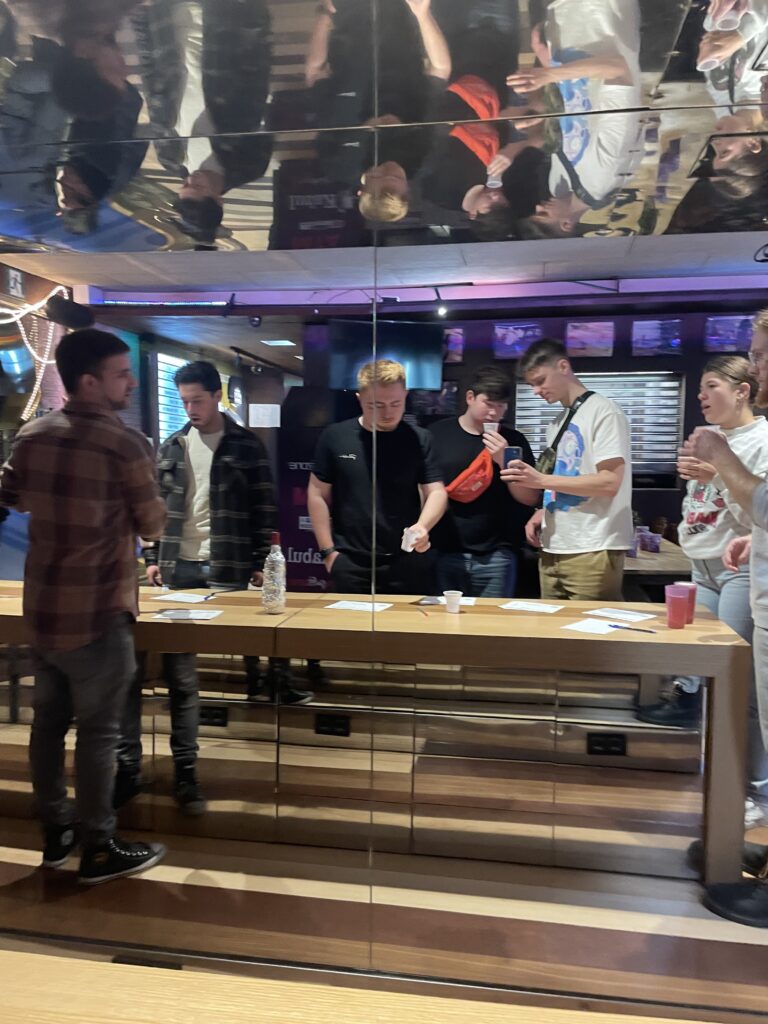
{"x": 275, "y": 539}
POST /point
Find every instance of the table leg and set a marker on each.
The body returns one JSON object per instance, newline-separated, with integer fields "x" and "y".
{"x": 725, "y": 770}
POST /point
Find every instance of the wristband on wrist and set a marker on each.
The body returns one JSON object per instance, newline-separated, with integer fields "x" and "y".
{"x": 325, "y": 552}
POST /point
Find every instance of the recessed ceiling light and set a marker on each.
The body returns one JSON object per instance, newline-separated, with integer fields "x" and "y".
{"x": 279, "y": 343}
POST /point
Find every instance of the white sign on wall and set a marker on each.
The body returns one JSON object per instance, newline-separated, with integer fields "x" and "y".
{"x": 263, "y": 415}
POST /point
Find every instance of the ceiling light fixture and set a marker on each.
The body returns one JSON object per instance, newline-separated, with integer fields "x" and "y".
{"x": 441, "y": 310}
{"x": 278, "y": 343}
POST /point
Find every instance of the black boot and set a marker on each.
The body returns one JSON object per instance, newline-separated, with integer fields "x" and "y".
{"x": 188, "y": 794}
{"x": 743, "y": 902}
{"x": 683, "y": 710}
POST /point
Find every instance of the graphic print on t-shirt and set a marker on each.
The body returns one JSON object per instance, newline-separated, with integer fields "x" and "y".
{"x": 570, "y": 453}
{"x": 706, "y": 507}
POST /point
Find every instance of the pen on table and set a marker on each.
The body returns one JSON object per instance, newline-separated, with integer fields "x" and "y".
{"x": 209, "y": 597}
{"x": 632, "y": 629}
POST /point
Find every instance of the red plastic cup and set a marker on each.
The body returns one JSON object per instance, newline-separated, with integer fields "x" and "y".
{"x": 677, "y": 606}
{"x": 692, "y": 591}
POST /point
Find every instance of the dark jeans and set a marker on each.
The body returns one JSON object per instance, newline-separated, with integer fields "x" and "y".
{"x": 491, "y": 575}
{"x": 180, "y": 675}
{"x": 410, "y": 573}
{"x": 89, "y": 684}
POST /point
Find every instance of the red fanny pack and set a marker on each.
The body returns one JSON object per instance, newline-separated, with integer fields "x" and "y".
{"x": 472, "y": 481}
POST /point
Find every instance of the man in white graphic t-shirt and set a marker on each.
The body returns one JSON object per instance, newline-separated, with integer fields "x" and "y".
{"x": 585, "y": 525}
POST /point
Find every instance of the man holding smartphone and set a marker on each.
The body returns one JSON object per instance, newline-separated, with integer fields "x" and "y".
{"x": 585, "y": 525}
{"x": 481, "y": 534}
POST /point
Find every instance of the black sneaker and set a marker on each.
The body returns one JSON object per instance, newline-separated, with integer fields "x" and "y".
{"x": 290, "y": 696}
{"x": 188, "y": 794}
{"x": 128, "y": 784}
{"x": 682, "y": 710}
{"x": 60, "y": 841}
{"x": 117, "y": 858}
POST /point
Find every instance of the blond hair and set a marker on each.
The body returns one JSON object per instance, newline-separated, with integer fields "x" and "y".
{"x": 384, "y": 206}
{"x": 382, "y": 372}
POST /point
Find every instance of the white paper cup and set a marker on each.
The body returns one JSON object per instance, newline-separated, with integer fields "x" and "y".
{"x": 452, "y": 601}
{"x": 409, "y": 540}
{"x": 490, "y": 428}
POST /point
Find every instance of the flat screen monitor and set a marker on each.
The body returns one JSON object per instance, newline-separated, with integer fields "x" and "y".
{"x": 727, "y": 334}
{"x": 419, "y": 347}
{"x": 657, "y": 338}
{"x": 512, "y": 340}
{"x": 590, "y": 338}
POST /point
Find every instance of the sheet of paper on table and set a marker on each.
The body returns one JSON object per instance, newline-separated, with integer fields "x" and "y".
{"x": 465, "y": 600}
{"x": 359, "y": 606}
{"x": 184, "y": 598}
{"x": 532, "y": 606}
{"x": 188, "y": 614}
{"x": 599, "y": 627}
{"x": 622, "y": 614}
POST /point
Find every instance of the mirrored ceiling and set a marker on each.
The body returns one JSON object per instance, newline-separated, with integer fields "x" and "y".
{"x": 248, "y": 125}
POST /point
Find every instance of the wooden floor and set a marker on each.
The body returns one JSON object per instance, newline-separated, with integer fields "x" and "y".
{"x": 549, "y": 930}
{"x": 88, "y": 991}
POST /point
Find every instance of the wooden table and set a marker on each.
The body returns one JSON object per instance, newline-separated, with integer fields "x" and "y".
{"x": 486, "y": 635}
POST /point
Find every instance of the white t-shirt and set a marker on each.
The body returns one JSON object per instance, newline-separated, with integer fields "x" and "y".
{"x": 711, "y": 519}
{"x": 604, "y": 148}
{"x": 196, "y": 536}
{"x": 598, "y": 432}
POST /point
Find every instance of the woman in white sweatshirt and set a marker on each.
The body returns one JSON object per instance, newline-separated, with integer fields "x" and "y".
{"x": 711, "y": 520}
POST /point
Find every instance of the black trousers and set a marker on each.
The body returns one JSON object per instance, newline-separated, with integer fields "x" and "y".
{"x": 403, "y": 573}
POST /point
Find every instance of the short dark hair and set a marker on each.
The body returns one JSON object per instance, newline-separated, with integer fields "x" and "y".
{"x": 79, "y": 89}
{"x": 547, "y": 350}
{"x": 200, "y": 218}
{"x": 83, "y": 352}
{"x": 491, "y": 382}
{"x": 200, "y": 372}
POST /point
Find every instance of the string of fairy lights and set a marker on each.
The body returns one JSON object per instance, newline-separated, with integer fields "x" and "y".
{"x": 32, "y": 341}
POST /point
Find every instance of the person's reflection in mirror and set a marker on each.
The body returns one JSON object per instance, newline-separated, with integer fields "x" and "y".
{"x": 478, "y": 142}
{"x": 101, "y": 159}
{"x": 731, "y": 26}
{"x": 413, "y": 64}
{"x": 91, "y": 73}
{"x": 588, "y": 52}
{"x": 32, "y": 126}
{"x": 201, "y": 203}
{"x": 231, "y": 45}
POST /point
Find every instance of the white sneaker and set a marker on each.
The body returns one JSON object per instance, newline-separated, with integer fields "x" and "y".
{"x": 753, "y": 813}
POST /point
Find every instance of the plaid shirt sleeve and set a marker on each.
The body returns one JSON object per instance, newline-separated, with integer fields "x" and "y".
{"x": 143, "y": 494}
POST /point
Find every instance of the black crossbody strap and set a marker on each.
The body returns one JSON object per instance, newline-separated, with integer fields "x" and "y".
{"x": 567, "y": 421}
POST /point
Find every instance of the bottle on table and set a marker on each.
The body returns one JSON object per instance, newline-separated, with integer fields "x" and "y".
{"x": 273, "y": 590}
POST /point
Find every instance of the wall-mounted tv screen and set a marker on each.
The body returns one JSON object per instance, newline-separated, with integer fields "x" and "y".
{"x": 419, "y": 347}
{"x": 435, "y": 403}
{"x": 453, "y": 345}
{"x": 511, "y": 341}
{"x": 727, "y": 334}
{"x": 657, "y": 338}
{"x": 591, "y": 339}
